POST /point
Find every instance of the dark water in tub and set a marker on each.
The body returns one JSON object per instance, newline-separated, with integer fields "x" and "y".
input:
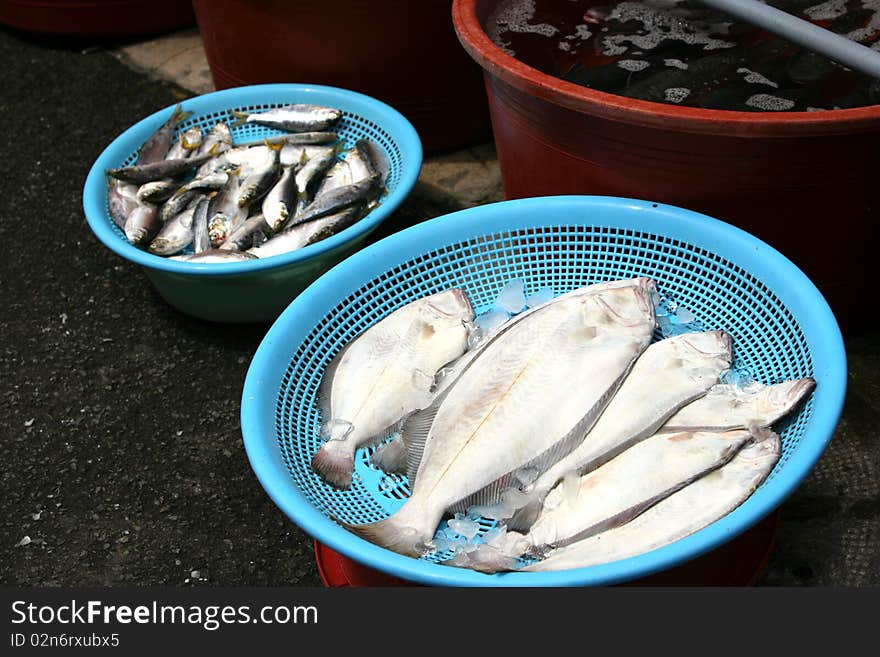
{"x": 680, "y": 52}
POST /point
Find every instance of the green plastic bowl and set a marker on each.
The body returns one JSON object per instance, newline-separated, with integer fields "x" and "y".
{"x": 257, "y": 290}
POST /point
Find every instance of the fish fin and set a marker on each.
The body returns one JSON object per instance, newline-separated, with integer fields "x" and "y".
{"x": 241, "y": 118}
{"x": 179, "y": 115}
{"x": 334, "y": 466}
{"x": 414, "y": 434}
{"x": 404, "y": 532}
{"x": 486, "y": 496}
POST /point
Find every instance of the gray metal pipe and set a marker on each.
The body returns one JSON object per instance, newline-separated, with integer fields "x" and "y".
{"x": 844, "y": 51}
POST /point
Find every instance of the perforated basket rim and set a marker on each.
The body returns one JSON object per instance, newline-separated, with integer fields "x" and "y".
{"x": 389, "y": 119}
{"x": 778, "y": 273}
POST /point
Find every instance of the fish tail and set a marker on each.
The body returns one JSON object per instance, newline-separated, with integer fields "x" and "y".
{"x": 240, "y": 118}
{"x": 334, "y": 463}
{"x": 274, "y": 146}
{"x": 179, "y": 115}
{"x": 405, "y": 532}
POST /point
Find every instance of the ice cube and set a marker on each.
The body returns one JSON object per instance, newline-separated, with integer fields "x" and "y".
{"x": 465, "y": 527}
{"x": 684, "y": 316}
{"x": 669, "y": 327}
{"x": 442, "y": 542}
{"x": 336, "y": 429}
{"x": 738, "y": 378}
{"x": 542, "y": 296}
{"x": 492, "y": 320}
{"x": 526, "y": 476}
{"x": 494, "y": 535}
{"x": 512, "y": 297}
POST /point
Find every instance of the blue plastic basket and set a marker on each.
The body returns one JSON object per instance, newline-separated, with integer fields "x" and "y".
{"x": 257, "y": 290}
{"x": 782, "y": 328}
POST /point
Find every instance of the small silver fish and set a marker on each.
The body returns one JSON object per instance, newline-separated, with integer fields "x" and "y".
{"x": 295, "y": 139}
{"x": 317, "y": 164}
{"x": 157, "y": 146}
{"x": 210, "y": 182}
{"x": 176, "y": 235}
{"x": 241, "y": 238}
{"x": 157, "y": 191}
{"x": 225, "y": 202}
{"x": 377, "y": 158}
{"x": 175, "y": 205}
{"x": 339, "y": 175}
{"x": 258, "y": 183}
{"x": 298, "y": 117}
{"x": 337, "y": 199}
{"x": 140, "y": 174}
{"x": 280, "y": 203}
{"x": 310, "y": 232}
{"x": 201, "y": 239}
{"x": 121, "y": 200}
{"x": 142, "y": 224}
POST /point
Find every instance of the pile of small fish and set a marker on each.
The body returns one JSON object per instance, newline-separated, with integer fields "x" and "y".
{"x": 558, "y": 423}
{"x": 231, "y": 202}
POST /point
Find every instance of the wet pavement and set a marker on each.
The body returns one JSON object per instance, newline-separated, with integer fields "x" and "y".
{"x": 122, "y": 457}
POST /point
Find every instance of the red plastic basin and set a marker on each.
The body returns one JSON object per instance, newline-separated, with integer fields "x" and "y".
{"x": 97, "y": 18}
{"x": 402, "y": 52}
{"x": 801, "y": 181}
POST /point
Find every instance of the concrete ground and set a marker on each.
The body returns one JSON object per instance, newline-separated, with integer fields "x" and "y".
{"x": 122, "y": 457}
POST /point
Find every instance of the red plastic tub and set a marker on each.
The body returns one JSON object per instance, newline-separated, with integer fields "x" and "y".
{"x": 805, "y": 182}
{"x": 736, "y": 563}
{"x": 403, "y": 52}
{"x": 97, "y": 18}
